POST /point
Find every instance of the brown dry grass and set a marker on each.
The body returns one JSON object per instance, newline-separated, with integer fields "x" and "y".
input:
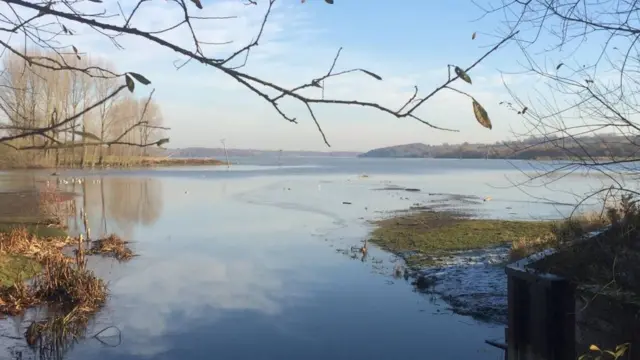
{"x": 69, "y": 284}
{"x": 54, "y": 335}
{"x": 560, "y": 232}
{"x": 15, "y": 299}
{"x": 112, "y": 246}
{"x": 64, "y": 281}
{"x": 20, "y": 241}
{"x": 610, "y": 261}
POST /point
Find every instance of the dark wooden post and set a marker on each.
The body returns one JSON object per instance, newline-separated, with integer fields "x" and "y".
{"x": 561, "y": 310}
{"x": 541, "y": 316}
{"x": 518, "y": 317}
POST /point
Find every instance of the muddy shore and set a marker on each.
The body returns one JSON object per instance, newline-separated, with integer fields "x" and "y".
{"x": 456, "y": 256}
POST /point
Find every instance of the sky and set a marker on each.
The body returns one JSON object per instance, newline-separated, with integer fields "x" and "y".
{"x": 408, "y": 43}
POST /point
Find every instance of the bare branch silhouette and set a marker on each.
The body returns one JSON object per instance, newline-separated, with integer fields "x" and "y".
{"x": 50, "y": 23}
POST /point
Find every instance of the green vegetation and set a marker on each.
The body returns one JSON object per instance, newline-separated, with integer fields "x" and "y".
{"x": 433, "y": 233}
{"x": 610, "y": 260}
{"x": 15, "y": 268}
{"x": 32, "y": 228}
{"x": 20, "y": 210}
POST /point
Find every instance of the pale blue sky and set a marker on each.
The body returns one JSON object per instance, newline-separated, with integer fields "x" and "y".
{"x": 407, "y": 42}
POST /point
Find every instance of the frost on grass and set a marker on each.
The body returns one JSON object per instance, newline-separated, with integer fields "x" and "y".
{"x": 473, "y": 282}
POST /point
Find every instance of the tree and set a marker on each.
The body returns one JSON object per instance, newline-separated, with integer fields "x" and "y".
{"x": 587, "y": 58}
{"x": 105, "y": 117}
{"x": 152, "y": 116}
{"x": 58, "y": 19}
{"x": 53, "y": 95}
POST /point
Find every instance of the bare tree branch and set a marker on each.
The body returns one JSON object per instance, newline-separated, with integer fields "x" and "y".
{"x": 67, "y": 13}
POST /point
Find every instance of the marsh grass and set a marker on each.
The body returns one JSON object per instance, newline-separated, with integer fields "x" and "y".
{"x": 112, "y": 246}
{"x": 16, "y": 298}
{"x": 432, "y": 233}
{"x": 561, "y": 232}
{"x": 610, "y": 261}
{"x": 423, "y": 236}
{"x": 14, "y": 267}
{"x": 63, "y": 281}
{"x": 70, "y": 285}
{"x": 55, "y": 335}
{"x": 36, "y": 270}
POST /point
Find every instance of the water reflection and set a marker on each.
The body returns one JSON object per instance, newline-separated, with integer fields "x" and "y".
{"x": 222, "y": 275}
{"x": 237, "y": 268}
{"x": 118, "y": 205}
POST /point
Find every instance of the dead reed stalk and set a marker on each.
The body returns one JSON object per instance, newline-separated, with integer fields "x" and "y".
{"x": 112, "y": 246}
{"x": 71, "y": 285}
{"x": 85, "y": 221}
{"x": 53, "y": 336}
{"x": 62, "y": 281}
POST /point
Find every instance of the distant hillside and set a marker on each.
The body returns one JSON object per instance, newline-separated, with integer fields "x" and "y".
{"x": 405, "y": 151}
{"x": 202, "y": 152}
{"x": 600, "y": 146}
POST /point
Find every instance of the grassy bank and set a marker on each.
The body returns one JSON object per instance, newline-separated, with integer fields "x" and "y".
{"x": 32, "y": 247}
{"x": 16, "y": 266}
{"x": 37, "y": 270}
{"x": 429, "y": 234}
{"x": 25, "y": 212}
{"x": 608, "y": 263}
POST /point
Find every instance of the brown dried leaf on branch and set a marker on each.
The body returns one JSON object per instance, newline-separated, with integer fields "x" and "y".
{"x": 481, "y": 115}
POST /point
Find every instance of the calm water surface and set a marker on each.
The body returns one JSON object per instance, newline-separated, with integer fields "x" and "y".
{"x": 242, "y": 263}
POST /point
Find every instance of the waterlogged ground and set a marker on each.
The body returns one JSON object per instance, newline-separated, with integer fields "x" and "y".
{"x": 256, "y": 262}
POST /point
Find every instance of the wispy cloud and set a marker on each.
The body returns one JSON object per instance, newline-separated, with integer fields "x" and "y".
{"x": 199, "y": 101}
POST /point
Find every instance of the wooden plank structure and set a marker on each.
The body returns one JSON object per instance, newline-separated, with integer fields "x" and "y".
{"x": 541, "y": 318}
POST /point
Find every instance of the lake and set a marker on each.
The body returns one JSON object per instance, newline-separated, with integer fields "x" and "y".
{"x": 244, "y": 263}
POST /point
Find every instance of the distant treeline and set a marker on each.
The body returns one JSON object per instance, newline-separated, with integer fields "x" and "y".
{"x": 199, "y": 152}
{"x": 599, "y": 146}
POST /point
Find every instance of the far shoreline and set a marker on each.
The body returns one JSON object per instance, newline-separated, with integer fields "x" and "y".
{"x": 150, "y": 162}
